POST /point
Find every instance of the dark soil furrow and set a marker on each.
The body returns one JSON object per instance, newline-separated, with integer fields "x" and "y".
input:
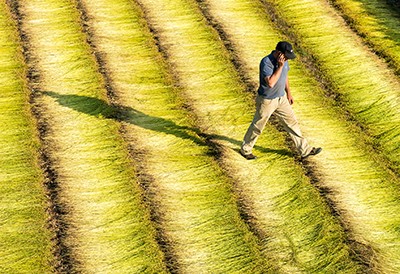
{"x": 233, "y": 169}
{"x": 362, "y": 253}
{"x": 137, "y": 153}
{"x": 179, "y": 177}
{"x": 330, "y": 87}
{"x": 216, "y": 149}
{"x": 352, "y": 24}
{"x": 108, "y": 225}
{"x": 63, "y": 261}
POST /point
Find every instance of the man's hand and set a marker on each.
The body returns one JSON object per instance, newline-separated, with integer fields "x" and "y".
{"x": 288, "y": 93}
{"x": 281, "y": 59}
{"x": 272, "y": 79}
{"x": 290, "y": 99}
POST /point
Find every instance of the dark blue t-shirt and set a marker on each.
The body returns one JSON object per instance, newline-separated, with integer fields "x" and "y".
{"x": 268, "y": 65}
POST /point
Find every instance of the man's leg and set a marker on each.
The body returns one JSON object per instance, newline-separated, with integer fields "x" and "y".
{"x": 264, "y": 109}
{"x": 286, "y": 116}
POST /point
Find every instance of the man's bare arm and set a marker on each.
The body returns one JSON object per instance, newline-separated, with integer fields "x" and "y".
{"x": 288, "y": 92}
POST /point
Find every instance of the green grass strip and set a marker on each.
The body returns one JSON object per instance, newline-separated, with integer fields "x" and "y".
{"x": 377, "y": 23}
{"x": 108, "y": 225}
{"x": 294, "y": 223}
{"x": 347, "y": 166}
{"x": 369, "y": 90}
{"x": 24, "y": 240}
{"x": 199, "y": 217}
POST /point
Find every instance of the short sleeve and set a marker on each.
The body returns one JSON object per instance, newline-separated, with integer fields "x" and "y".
{"x": 267, "y": 68}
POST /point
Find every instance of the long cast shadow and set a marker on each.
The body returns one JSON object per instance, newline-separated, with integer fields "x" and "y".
{"x": 99, "y": 108}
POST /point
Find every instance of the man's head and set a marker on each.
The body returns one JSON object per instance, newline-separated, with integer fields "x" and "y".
{"x": 286, "y": 48}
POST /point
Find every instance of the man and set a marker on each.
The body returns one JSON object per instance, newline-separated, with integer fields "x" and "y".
{"x": 274, "y": 96}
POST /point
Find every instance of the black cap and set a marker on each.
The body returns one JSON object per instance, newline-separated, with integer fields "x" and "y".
{"x": 286, "y": 48}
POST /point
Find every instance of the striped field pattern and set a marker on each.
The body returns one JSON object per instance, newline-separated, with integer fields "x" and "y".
{"x": 121, "y": 123}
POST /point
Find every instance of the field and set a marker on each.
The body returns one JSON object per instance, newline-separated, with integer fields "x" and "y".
{"x": 121, "y": 123}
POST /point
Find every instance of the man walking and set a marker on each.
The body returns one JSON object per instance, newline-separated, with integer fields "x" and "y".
{"x": 274, "y": 96}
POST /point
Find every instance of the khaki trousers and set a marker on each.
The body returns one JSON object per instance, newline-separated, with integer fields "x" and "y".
{"x": 281, "y": 107}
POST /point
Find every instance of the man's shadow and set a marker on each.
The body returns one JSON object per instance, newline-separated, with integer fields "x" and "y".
{"x": 100, "y": 108}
